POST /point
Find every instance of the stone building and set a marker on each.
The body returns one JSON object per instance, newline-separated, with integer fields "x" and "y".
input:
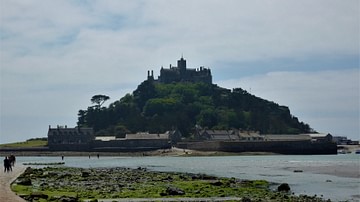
{"x": 321, "y": 137}
{"x": 83, "y": 139}
{"x": 229, "y": 135}
{"x": 75, "y": 139}
{"x": 141, "y": 141}
{"x": 181, "y": 73}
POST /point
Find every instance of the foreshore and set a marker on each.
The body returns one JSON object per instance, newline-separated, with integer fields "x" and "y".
{"x": 351, "y": 169}
{"x": 55, "y": 183}
{"x": 348, "y": 171}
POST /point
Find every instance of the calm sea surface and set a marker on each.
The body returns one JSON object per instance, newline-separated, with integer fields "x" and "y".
{"x": 277, "y": 168}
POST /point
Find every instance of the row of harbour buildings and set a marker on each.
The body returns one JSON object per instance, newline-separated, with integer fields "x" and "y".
{"x": 62, "y": 138}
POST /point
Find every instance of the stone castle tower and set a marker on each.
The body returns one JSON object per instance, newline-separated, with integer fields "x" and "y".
{"x": 182, "y": 74}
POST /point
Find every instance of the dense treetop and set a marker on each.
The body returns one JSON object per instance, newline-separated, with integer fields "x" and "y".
{"x": 157, "y": 107}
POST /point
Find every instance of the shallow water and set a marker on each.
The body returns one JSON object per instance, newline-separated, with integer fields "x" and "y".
{"x": 276, "y": 168}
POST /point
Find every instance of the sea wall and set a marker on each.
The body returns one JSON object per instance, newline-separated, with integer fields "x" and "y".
{"x": 70, "y": 147}
{"x": 281, "y": 147}
{"x": 114, "y": 145}
{"x": 130, "y": 145}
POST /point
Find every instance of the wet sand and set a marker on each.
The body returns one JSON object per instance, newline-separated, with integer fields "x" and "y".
{"x": 351, "y": 171}
{"x": 6, "y": 195}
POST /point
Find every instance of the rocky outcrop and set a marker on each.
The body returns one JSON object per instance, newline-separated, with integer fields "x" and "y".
{"x": 284, "y": 187}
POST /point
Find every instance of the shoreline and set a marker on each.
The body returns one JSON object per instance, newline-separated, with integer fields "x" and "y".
{"x": 160, "y": 152}
{"x": 174, "y": 151}
{"x": 352, "y": 171}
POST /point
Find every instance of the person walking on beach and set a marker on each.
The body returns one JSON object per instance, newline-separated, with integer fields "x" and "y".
{"x": 12, "y": 160}
{"x": 7, "y": 165}
{"x": 10, "y": 165}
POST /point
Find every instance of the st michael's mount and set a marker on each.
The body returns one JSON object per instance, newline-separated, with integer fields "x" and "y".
{"x": 183, "y": 108}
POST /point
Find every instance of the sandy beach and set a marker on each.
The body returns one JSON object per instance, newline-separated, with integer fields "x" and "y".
{"x": 6, "y": 195}
{"x": 350, "y": 171}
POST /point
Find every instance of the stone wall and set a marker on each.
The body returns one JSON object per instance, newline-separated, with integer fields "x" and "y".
{"x": 281, "y": 147}
{"x": 70, "y": 147}
{"x": 130, "y": 145}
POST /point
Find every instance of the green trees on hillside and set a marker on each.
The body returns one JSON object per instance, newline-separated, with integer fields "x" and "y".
{"x": 157, "y": 107}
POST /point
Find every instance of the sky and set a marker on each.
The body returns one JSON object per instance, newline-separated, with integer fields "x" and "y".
{"x": 55, "y": 55}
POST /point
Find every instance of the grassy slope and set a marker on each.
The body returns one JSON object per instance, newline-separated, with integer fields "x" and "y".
{"x": 26, "y": 144}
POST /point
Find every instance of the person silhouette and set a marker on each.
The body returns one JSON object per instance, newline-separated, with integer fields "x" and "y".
{"x": 7, "y": 165}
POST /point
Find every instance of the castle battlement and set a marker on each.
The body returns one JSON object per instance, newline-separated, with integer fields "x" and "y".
{"x": 181, "y": 73}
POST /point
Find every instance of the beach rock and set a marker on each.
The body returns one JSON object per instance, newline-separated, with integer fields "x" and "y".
{"x": 245, "y": 199}
{"x": 284, "y": 187}
{"x": 169, "y": 178}
{"x": 44, "y": 184}
{"x": 217, "y": 183}
{"x": 203, "y": 177}
{"x": 28, "y": 171}
{"x": 68, "y": 199}
{"x": 232, "y": 180}
{"x": 183, "y": 177}
{"x": 24, "y": 181}
{"x": 85, "y": 174}
{"x": 142, "y": 169}
{"x": 38, "y": 195}
{"x": 173, "y": 191}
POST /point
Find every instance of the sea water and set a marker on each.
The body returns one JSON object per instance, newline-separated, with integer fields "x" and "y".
{"x": 273, "y": 168}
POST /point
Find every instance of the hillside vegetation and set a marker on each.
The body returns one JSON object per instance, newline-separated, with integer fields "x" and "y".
{"x": 157, "y": 107}
{"x": 35, "y": 142}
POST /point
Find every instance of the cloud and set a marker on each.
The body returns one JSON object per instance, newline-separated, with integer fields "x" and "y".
{"x": 55, "y": 55}
{"x": 242, "y": 30}
{"x": 327, "y": 100}
{"x": 261, "y": 29}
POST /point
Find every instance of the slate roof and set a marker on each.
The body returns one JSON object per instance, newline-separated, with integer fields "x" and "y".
{"x": 146, "y": 136}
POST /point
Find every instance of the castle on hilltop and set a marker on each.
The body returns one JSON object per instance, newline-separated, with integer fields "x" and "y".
{"x": 182, "y": 74}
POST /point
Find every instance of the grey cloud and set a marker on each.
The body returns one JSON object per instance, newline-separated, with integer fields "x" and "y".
{"x": 75, "y": 48}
